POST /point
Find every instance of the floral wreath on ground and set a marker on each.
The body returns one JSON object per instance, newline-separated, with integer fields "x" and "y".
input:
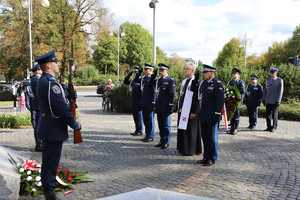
{"x": 30, "y": 172}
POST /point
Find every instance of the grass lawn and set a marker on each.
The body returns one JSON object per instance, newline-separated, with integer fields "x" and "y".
{"x": 6, "y": 103}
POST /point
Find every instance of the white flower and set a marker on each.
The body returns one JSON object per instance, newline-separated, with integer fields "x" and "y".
{"x": 21, "y": 170}
{"x": 40, "y": 171}
{"x": 39, "y": 184}
{"x": 29, "y": 172}
{"x": 19, "y": 165}
{"x": 33, "y": 190}
{"x": 38, "y": 178}
{"x": 29, "y": 178}
{"x": 38, "y": 165}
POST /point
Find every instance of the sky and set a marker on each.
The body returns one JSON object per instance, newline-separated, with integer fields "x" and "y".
{"x": 199, "y": 29}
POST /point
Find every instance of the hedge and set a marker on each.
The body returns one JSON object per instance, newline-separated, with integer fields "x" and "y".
{"x": 14, "y": 121}
{"x": 288, "y": 111}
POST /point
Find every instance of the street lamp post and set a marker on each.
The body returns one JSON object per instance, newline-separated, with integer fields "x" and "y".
{"x": 120, "y": 34}
{"x": 152, "y": 4}
{"x": 29, "y": 30}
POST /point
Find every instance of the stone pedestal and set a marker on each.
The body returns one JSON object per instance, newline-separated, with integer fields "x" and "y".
{"x": 9, "y": 178}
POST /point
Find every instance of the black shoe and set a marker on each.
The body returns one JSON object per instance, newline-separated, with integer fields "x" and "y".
{"x": 147, "y": 140}
{"x": 272, "y": 130}
{"x": 158, "y": 145}
{"x": 164, "y": 146}
{"x": 251, "y": 127}
{"x": 232, "y": 132}
{"x": 209, "y": 163}
{"x": 268, "y": 129}
{"x": 136, "y": 134}
{"x": 50, "y": 196}
{"x": 201, "y": 162}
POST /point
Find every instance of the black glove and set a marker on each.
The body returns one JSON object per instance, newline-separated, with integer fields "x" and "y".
{"x": 277, "y": 103}
{"x": 197, "y": 74}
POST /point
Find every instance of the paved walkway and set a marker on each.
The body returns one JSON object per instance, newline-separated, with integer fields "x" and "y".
{"x": 252, "y": 165}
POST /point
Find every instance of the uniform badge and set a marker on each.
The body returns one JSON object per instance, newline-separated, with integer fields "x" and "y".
{"x": 210, "y": 88}
{"x": 56, "y": 89}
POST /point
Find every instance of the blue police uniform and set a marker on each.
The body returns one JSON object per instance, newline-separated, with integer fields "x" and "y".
{"x": 166, "y": 90}
{"x": 34, "y": 110}
{"x": 136, "y": 93}
{"x": 54, "y": 121}
{"x": 235, "y": 120}
{"x": 211, "y": 100}
{"x": 253, "y": 99}
{"x": 147, "y": 104}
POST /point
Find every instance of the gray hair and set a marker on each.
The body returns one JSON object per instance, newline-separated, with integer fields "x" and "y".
{"x": 191, "y": 64}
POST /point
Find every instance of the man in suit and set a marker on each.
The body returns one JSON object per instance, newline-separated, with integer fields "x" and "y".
{"x": 148, "y": 101}
{"x": 253, "y": 99}
{"x": 166, "y": 90}
{"x": 54, "y": 121}
{"x": 211, "y": 98}
{"x": 240, "y": 84}
{"x": 272, "y": 97}
{"x": 136, "y": 93}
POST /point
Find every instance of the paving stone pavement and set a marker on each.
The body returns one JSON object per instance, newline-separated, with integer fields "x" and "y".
{"x": 252, "y": 165}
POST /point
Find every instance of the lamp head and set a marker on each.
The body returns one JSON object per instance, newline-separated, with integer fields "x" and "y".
{"x": 153, "y": 3}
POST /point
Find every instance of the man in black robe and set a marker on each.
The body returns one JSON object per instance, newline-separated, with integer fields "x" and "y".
{"x": 189, "y": 138}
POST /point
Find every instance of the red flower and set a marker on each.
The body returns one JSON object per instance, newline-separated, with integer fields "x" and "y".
{"x": 31, "y": 165}
{"x": 69, "y": 179}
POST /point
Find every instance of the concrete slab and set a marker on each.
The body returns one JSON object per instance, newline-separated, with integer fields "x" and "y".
{"x": 153, "y": 194}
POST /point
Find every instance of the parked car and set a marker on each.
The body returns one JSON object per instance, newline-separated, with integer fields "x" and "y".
{"x": 6, "y": 92}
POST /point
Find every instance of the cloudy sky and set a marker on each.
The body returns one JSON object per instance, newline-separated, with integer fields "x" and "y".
{"x": 199, "y": 28}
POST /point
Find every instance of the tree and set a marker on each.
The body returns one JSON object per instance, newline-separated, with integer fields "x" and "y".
{"x": 136, "y": 46}
{"x": 62, "y": 26}
{"x": 161, "y": 56}
{"x": 276, "y": 54}
{"x": 231, "y": 55}
{"x": 105, "y": 54}
{"x": 293, "y": 44}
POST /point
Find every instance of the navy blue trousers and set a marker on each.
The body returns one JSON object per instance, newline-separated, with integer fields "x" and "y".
{"x": 35, "y": 116}
{"x": 253, "y": 115}
{"x": 138, "y": 121}
{"x": 235, "y": 121}
{"x": 50, "y": 160}
{"x": 209, "y": 133}
{"x": 164, "y": 125}
{"x": 148, "y": 118}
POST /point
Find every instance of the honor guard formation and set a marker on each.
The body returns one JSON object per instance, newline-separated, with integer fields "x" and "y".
{"x": 200, "y": 104}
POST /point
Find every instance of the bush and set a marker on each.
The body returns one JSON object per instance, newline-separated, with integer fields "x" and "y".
{"x": 121, "y": 99}
{"x": 14, "y": 121}
{"x": 289, "y": 73}
{"x": 287, "y": 111}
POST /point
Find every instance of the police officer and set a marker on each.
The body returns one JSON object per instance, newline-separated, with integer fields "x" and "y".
{"x": 33, "y": 106}
{"x": 211, "y": 101}
{"x": 136, "y": 93}
{"x": 240, "y": 84}
{"x": 253, "y": 99}
{"x": 166, "y": 89}
{"x": 54, "y": 121}
{"x": 148, "y": 101}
